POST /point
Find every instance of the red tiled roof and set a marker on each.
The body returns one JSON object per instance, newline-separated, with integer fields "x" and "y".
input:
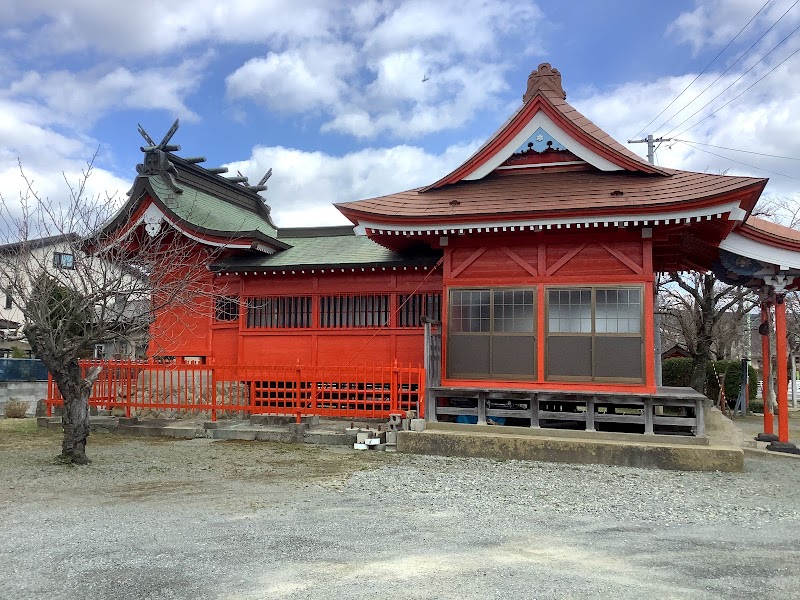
{"x": 540, "y": 194}
{"x": 546, "y": 94}
{"x": 770, "y": 233}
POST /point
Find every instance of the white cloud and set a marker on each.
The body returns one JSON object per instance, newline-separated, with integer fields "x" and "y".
{"x": 306, "y": 184}
{"x": 295, "y": 81}
{"x": 85, "y": 96}
{"x": 152, "y": 27}
{"x": 716, "y": 22}
{"x": 372, "y": 84}
{"x": 762, "y": 121}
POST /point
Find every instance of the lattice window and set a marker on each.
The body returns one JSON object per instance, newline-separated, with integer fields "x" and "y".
{"x": 570, "y": 311}
{"x": 226, "y": 308}
{"x": 413, "y": 307}
{"x": 618, "y": 311}
{"x": 354, "y": 311}
{"x": 470, "y": 311}
{"x": 290, "y": 312}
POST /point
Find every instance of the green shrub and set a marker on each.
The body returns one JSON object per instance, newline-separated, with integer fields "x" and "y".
{"x": 676, "y": 372}
{"x": 16, "y": 409}
{"x": 733, "y": 380}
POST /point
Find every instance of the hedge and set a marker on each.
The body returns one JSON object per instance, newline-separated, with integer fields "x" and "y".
{"x": 678, "y": 372}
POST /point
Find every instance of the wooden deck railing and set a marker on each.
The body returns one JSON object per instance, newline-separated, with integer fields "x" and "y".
{"x": 175, "y": 390}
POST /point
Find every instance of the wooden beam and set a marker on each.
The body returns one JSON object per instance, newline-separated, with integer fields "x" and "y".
{"x": 529, "y": 268}
{"x": 622, "y": 258}
{"x": 565, "y": 259}
{"x": 471, "y": 259}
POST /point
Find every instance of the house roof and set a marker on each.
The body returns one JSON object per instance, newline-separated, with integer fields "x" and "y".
{"x": 608, "y": 180}
{"x": 499, "y": 196}
{"x": 198, "y": 201}
{"x": 546, "y": 95}
{"x": 325, "y": 247}
{"x": 770, "y": 233}
{"x": 43, "y": 242}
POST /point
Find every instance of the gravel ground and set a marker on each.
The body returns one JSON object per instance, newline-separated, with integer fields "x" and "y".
{"x": 202, "y": 519}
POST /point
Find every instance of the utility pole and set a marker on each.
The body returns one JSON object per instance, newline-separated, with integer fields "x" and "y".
{"x": 651, "y": 158}
{"x": 650, "y": 141}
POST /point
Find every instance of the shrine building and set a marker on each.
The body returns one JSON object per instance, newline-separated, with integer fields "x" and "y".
{"x": 537, "y": 257}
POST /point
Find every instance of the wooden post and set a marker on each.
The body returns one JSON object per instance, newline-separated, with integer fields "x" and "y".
{"x": 481, "y": 408}
{"x": 534, "y": 408}
{"x": 765, "y": 370}
{"x": 782, "y": 379}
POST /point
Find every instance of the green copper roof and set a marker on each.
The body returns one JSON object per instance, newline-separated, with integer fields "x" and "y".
{"x": 209, "y": 212}
{"x": 326, "y": 251}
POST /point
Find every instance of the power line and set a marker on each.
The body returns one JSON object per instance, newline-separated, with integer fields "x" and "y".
{"x": 737, "y": 150}
{"x": 735, "y": 81}
{"x": 740, "y": 93}
{"x": 704, "y": 70}
{"x": 733, "y": 64}
{"x": 738, "y": 161}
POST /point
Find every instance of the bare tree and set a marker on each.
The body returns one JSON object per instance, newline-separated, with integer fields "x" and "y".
{"x": 703, "y": 310}
{"x": 96, "y": 285}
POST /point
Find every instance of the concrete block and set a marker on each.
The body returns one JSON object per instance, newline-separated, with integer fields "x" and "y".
{"x": 391, "y": 437}
{"x": 211, "y": 425}
{"x": 405, "y": 424}
{"x": 362, "y": 436}
{"x": 372, "y": 441}
{"x": 417, "y": 424}
{"x": 360, "y": 447}
{"x": 127, "y": 421}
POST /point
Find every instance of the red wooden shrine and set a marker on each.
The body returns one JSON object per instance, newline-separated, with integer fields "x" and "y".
{"x": 537, "y": 254}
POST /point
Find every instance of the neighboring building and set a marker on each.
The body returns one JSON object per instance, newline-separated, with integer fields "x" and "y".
{"x": 52, "y": 255}
{"x": 537, "y": 254}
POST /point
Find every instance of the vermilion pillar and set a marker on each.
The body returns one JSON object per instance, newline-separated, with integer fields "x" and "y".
{"x": 782, "y": 378}
{"x": 765, "y": 371}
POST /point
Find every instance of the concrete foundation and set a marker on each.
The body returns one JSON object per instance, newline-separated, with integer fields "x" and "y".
{"x": 630, "y": 450}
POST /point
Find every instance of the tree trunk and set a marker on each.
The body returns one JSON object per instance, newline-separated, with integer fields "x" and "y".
{"x": 75, "y": 392}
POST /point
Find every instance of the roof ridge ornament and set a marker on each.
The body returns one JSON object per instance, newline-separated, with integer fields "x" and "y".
{"x": 544, "y": 78}
{"x": 156, "y": 161}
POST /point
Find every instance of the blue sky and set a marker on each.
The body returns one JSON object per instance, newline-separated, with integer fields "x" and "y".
{"x": 331, "y": 94}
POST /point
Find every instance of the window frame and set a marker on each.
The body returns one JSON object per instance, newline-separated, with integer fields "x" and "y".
{"x": 232, "y": 300}
{"x": 593, "y": 333}
{"x": 492, "y": 333}
{"x": 58, "y": 260}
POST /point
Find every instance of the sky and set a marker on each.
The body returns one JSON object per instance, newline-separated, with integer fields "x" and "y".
{"x": 350, "y": 100}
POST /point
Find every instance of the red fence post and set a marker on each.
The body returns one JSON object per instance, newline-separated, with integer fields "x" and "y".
{"x": 50, "y": 395}
{"x": 297, "y": 392}
{"x": 212, "y": 380}
{"x": 393, "y": 391}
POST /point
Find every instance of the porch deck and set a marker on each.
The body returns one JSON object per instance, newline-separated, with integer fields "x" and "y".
{"x": 674, "y": 410}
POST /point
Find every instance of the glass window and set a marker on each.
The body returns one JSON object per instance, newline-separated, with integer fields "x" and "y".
{"x": 470, "y": 311}
{"x": 618, "y": 311}
{"x": 63, "y": 261}
{"x": 513, "y": 311}
{"x": 570, "y": 311}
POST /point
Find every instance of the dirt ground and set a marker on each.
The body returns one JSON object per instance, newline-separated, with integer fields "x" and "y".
{"x": 164, "y": 519}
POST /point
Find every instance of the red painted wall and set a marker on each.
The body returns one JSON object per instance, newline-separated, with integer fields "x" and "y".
{"x": 554, "y": 258}
{"x": 233, "y": 342}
